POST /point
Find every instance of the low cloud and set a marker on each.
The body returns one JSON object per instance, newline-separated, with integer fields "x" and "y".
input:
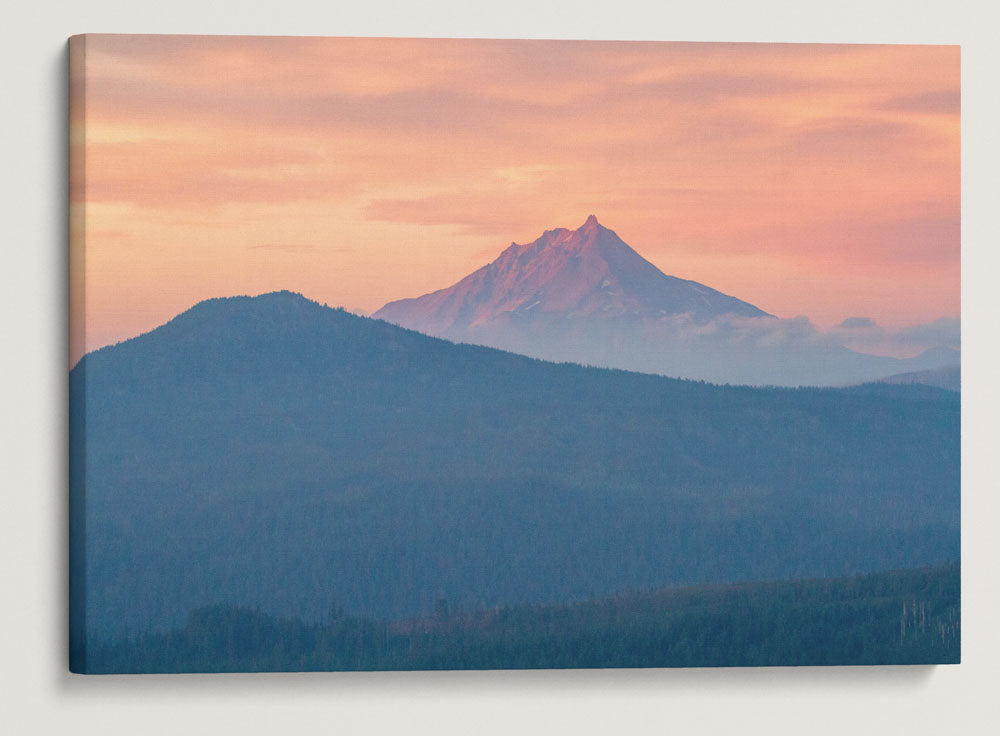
{"x": 864, "y": 335}
{"x": 854, "y": 323}
{"x": 944, "y": 332}
{"x": 861, "y": 334}
{"x": 737, "y": 330}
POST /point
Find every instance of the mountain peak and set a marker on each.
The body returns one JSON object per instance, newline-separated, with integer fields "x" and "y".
{"x": 583, "y": 276}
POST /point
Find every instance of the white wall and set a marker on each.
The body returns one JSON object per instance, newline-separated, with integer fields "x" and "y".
{"x": 39, "y": 696}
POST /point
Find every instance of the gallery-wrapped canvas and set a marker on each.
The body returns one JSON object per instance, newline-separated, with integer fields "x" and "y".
{"x": 466, "y": 354}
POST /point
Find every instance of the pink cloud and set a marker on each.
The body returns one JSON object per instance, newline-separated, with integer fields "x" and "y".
{"x": 747, "y": 165}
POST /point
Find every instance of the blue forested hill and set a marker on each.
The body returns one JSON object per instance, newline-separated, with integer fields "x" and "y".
{"x": 273, "y": 453}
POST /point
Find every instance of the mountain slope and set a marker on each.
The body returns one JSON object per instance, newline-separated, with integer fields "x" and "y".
{"x": 273, "y": 453}
{"x": 589, "y": 273}
{"x": 949, "y": 378}
{"x": 585, "y": 296}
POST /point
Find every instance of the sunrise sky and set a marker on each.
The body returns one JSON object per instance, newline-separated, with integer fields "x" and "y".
{"x": 808, "y": 180}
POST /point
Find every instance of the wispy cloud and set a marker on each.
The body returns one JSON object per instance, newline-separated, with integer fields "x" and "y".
{"x": 934, "y": 102}
{"x": 288, "y": 248}
{"x": 817, "y": 179}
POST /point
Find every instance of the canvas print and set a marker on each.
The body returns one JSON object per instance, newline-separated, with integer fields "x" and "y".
{"x": 411, "y": 354}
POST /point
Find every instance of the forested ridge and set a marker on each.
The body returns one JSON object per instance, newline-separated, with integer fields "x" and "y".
{"x": 273, "y": 454}
{"x": 899, "y": 617}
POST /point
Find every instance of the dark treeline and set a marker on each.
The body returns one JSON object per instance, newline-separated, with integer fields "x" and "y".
{"x": 901, "y": 617}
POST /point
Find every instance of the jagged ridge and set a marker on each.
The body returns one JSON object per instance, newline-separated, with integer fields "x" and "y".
{"x": 588, "y": 273}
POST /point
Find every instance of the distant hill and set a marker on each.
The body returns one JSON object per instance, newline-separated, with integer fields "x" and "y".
{"x": 272, "y": 453}
{"x": 899, "y": 617}
{"x": 949, "y": 378}
{"x": 585, "y": 296}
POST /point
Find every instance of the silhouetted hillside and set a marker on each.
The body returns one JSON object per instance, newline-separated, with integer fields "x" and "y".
{"x": 272, "y": 453}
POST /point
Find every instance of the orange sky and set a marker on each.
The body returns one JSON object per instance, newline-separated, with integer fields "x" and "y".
{"x": 806, "y": 179}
